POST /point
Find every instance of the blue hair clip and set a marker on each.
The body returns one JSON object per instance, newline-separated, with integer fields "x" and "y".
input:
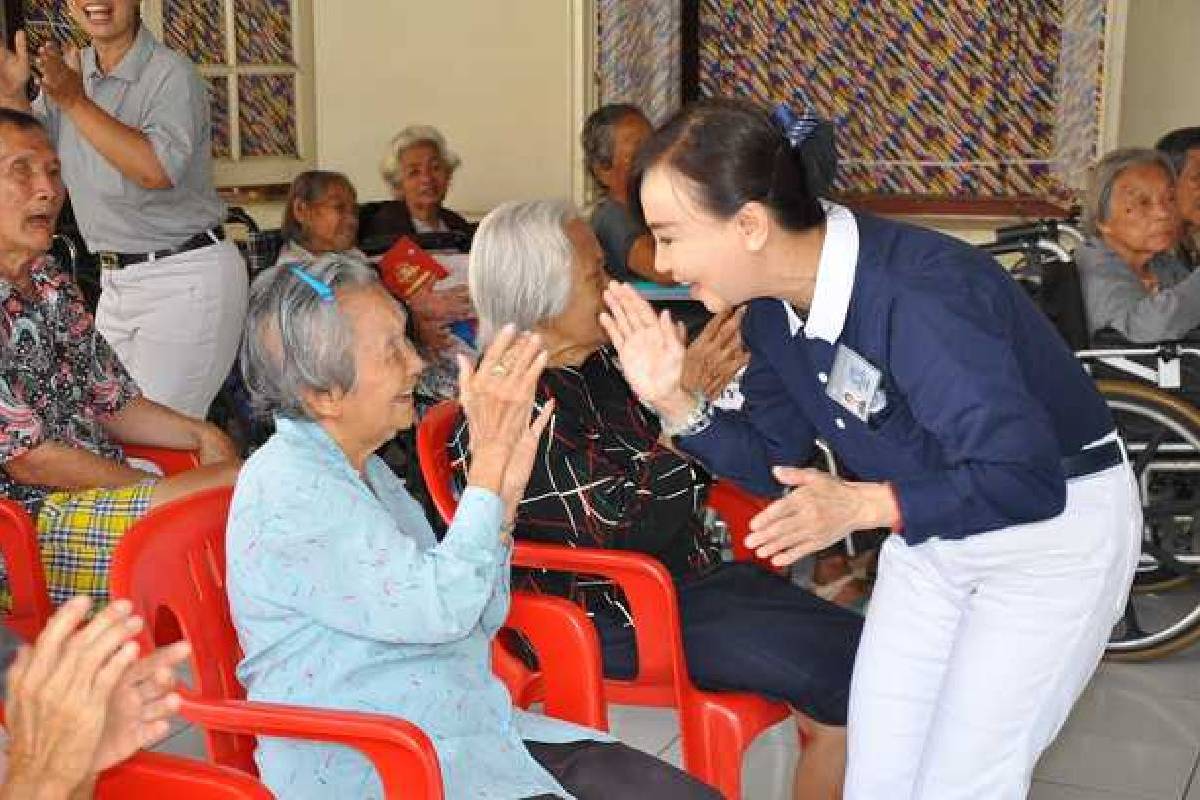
{"x": 323, "y": 289}
{"x": 796, "y": 127}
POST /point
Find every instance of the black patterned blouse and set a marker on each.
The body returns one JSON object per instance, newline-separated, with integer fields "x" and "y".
{"x": 602, "y": 478}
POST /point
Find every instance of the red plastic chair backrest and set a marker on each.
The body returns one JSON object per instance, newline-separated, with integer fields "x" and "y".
{"x": 433, "y": 433}
{"x": 26, "y": 578}
{"x": 171, "y": 462}
{"x": 158, "y": 775}
{"x": 646, "y": 582}
{"x": 31, "y": 605}
{"x": 171, "y": 564}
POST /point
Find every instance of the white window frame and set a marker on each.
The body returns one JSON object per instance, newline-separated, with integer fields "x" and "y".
{"x": 238, "y": 171}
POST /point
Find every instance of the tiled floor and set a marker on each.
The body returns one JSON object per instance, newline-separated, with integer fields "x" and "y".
{"x": 1135, "y": 735}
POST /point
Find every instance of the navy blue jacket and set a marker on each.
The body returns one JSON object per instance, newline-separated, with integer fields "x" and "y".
{"x": 983, "y": 398}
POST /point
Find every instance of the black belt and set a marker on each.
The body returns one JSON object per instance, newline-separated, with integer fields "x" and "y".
{"x": 110, "y": 260}
{"x": 1094, "y": 459}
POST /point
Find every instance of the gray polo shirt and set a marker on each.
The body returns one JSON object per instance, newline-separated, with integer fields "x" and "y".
{"x": 158, "y": 92}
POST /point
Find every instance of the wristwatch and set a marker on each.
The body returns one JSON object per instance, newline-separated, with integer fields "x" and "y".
{"x": 699, "y": 418}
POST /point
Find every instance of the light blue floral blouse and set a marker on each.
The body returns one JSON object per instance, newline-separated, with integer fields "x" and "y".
{"x": 343, "y": 598}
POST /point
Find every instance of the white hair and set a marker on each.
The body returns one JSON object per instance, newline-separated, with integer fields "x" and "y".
{"x": 412, "y": 136}
{"x": 1097, "y": 202}
{"x": 520, "y": 264}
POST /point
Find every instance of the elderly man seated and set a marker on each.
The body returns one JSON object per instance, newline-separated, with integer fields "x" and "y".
{"x": 65, "y": 399}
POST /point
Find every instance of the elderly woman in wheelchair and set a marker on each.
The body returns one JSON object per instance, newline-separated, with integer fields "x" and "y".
{"x": 1133, "y": 283}
{"x": 1136, "y": 306}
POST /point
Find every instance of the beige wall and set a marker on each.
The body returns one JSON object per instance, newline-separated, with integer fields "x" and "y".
{"x": 498, "y": 77}
{"x": 1161, "y": 78}
{"x": 506, "y": 81}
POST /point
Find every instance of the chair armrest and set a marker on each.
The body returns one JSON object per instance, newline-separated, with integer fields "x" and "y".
{"x": 26, "y": 578}
{"x": 402, "y": 754}
{"x": 171, "y": 462}
{"x": 568, "y": 652}
{"x": 648, "y": 588}
{"x": 737, "y": 507}
{"x": 149, "y": 774}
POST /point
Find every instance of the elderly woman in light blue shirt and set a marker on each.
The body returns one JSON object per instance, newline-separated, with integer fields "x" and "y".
{"x": 341, "y": 595}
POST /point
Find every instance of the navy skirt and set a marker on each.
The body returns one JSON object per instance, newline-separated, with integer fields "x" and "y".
{"x": 747, "y": 629}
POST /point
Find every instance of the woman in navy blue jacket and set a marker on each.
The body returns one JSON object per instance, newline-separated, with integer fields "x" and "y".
{"x": 974, "y": 434}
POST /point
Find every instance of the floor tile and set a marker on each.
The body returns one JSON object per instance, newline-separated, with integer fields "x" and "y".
{"x": 186, "y": 741}
{"x": 1175, "y": 676}
{"x": 766, "y": 771}
{"x": 648, "y": 729}
{"x": 1057, "y": 791}
{"x": 1193, "y": 792}
{"x": 1119, "y": 711}
{"x": 1150, "y": 769}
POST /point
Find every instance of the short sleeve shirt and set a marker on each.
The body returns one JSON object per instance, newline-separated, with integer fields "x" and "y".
{"x": 158, "y": 92}
{"x": 617, "y": 230}
{"x": 58, "y": 376}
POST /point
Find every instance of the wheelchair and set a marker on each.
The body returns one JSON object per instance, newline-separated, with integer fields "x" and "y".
{"x": 1156, "y": 415}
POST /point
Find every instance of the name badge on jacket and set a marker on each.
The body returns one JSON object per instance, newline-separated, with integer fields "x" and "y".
{"x": 854, "y": 383}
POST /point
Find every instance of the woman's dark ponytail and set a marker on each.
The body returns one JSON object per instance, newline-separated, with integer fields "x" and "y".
{"x": 734, "y": 153}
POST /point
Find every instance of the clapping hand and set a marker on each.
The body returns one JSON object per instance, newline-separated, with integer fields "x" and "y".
{"x": 648, "y": 344}
{"x": 433, "y": 309}
{"x": 62, "y": 77}
{"x": 497, "y": 399}
{"x": 80, "y": 702}
{"x": 14, "y": 72}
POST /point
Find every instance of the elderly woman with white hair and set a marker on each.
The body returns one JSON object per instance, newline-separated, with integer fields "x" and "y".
{"x": 606, "y": 477}
{"x": 1133, "y": 283}
{"x": 342, "y": 596}
{"x": 417, "y": 167}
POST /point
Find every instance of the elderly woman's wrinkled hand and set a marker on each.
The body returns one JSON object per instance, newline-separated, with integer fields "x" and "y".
{"x": 497, "y": 398}
{"x": 433, "y": 309}
{"x": 59, "y": 691}
{"x": 716, "y": 355}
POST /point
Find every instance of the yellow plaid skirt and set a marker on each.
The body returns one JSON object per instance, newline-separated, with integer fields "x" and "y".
{"x": 78, "y": 532}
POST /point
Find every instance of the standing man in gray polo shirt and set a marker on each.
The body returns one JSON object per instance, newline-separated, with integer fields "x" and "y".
{"x": 130, "y": 120}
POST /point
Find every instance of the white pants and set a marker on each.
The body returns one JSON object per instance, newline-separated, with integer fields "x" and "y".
{"x": 975, "y": 649}
{"x": 176, "y": 323}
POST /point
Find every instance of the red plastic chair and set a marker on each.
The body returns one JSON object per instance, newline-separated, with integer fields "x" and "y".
{"x": 31, "y": 605}
{"x": 26, "y": 577}
{"x": 716, "y": 727}
{"x": 157, "y": 775}
{"x": 171, "y": 564}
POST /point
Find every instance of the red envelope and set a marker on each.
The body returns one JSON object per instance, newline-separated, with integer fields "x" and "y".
{"x": 407, "y": 269}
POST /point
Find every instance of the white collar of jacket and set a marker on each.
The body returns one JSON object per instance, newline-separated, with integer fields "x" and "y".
{"x": 835, "y": 278}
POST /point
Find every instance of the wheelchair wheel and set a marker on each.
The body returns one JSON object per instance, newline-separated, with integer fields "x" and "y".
{"x": 1162, "y": 432}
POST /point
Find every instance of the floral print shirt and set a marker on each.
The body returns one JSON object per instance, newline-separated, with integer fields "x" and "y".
{"x": 58, "y": 376}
